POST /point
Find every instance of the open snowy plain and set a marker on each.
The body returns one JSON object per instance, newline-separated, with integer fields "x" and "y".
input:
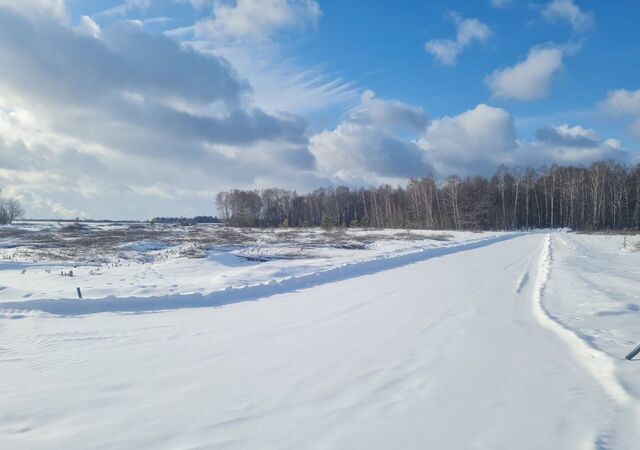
{"x": 207, "y": 337}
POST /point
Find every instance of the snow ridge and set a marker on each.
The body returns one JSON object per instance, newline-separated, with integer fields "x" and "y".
{"x": 624, "y": 410}
{"x": 598, "y": 363}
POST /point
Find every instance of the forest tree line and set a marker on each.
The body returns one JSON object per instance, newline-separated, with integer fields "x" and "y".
{"x": 605, "y": 195}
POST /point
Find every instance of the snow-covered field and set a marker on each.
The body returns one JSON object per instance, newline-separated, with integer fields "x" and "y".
{"x": 139, "y": 261}
{"x": 222, "y": 338}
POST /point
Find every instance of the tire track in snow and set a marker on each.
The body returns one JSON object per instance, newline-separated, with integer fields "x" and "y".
{"x": 594, "y": 361}
{"x": 526, "y": 276}
{"x": 522, "y": 282}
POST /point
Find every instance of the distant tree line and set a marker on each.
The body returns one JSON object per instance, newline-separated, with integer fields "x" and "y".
{"x": 10, "y": 210}
{"x": 605, "y": 195}
{"x": 186, "y": 220}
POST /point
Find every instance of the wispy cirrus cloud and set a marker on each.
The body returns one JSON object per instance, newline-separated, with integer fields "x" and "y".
{"x": 245, "y": 33}
{"x": 120, "y": 10}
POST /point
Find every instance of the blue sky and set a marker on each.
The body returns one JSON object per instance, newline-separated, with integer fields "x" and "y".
{"x": 383, "y": 48}
{"x": 149, "y": 107}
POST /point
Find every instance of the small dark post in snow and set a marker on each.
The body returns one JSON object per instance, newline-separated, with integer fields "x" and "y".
{"x": 635, "y": 351}
{"x": 79, "y": 293}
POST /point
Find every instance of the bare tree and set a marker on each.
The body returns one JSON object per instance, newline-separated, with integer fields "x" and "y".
{"x": 10, "y": 210}
{"x": 14, "y": 209}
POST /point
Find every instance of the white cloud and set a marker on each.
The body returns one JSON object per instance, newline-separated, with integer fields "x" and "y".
{"x": 468, "y": 31}
{"x": 40, "y": 206}
{"x": 257, "y": 19}
{"x": 370, "y": 147}
{"x": 371, "y": 143}
{"x": 88, "y": 26}
{"x": 476, "y": 140}
{"x": 529, "y": 79}
{"x": 625, "y": 103}
{"x": 537, "y": 153}
{"x": 566, "y": 136}
{"x": 566, "y": 10}
{"x": 280, "y": 83}
{"x": 55, "y": 9}
{"x": 389, "y": 113}
{"x": 479, "y": 140}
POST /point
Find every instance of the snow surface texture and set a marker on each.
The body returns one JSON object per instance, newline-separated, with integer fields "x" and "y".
{"x": 503, "y": 341}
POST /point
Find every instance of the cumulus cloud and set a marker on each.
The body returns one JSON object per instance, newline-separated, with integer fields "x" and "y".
{"x": 371, "y": 144}
{"x": 623, "y": 101}
{"x": 566, "y": 136}
{"x": 478, "y": 140}
{"x": 257, "y": 19}
{"x": 468, "y": 31}
{"x": 536, "y": 153}
{"x": 88, "y": 71}
{"x": 529, "y": 79}
{"x": 388, "y": 113}
{"x": 626, "y": 104}
{"x": 566, "y": 10}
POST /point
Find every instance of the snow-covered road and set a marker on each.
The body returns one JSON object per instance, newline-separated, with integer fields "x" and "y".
{"x": 455, "y": 351}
